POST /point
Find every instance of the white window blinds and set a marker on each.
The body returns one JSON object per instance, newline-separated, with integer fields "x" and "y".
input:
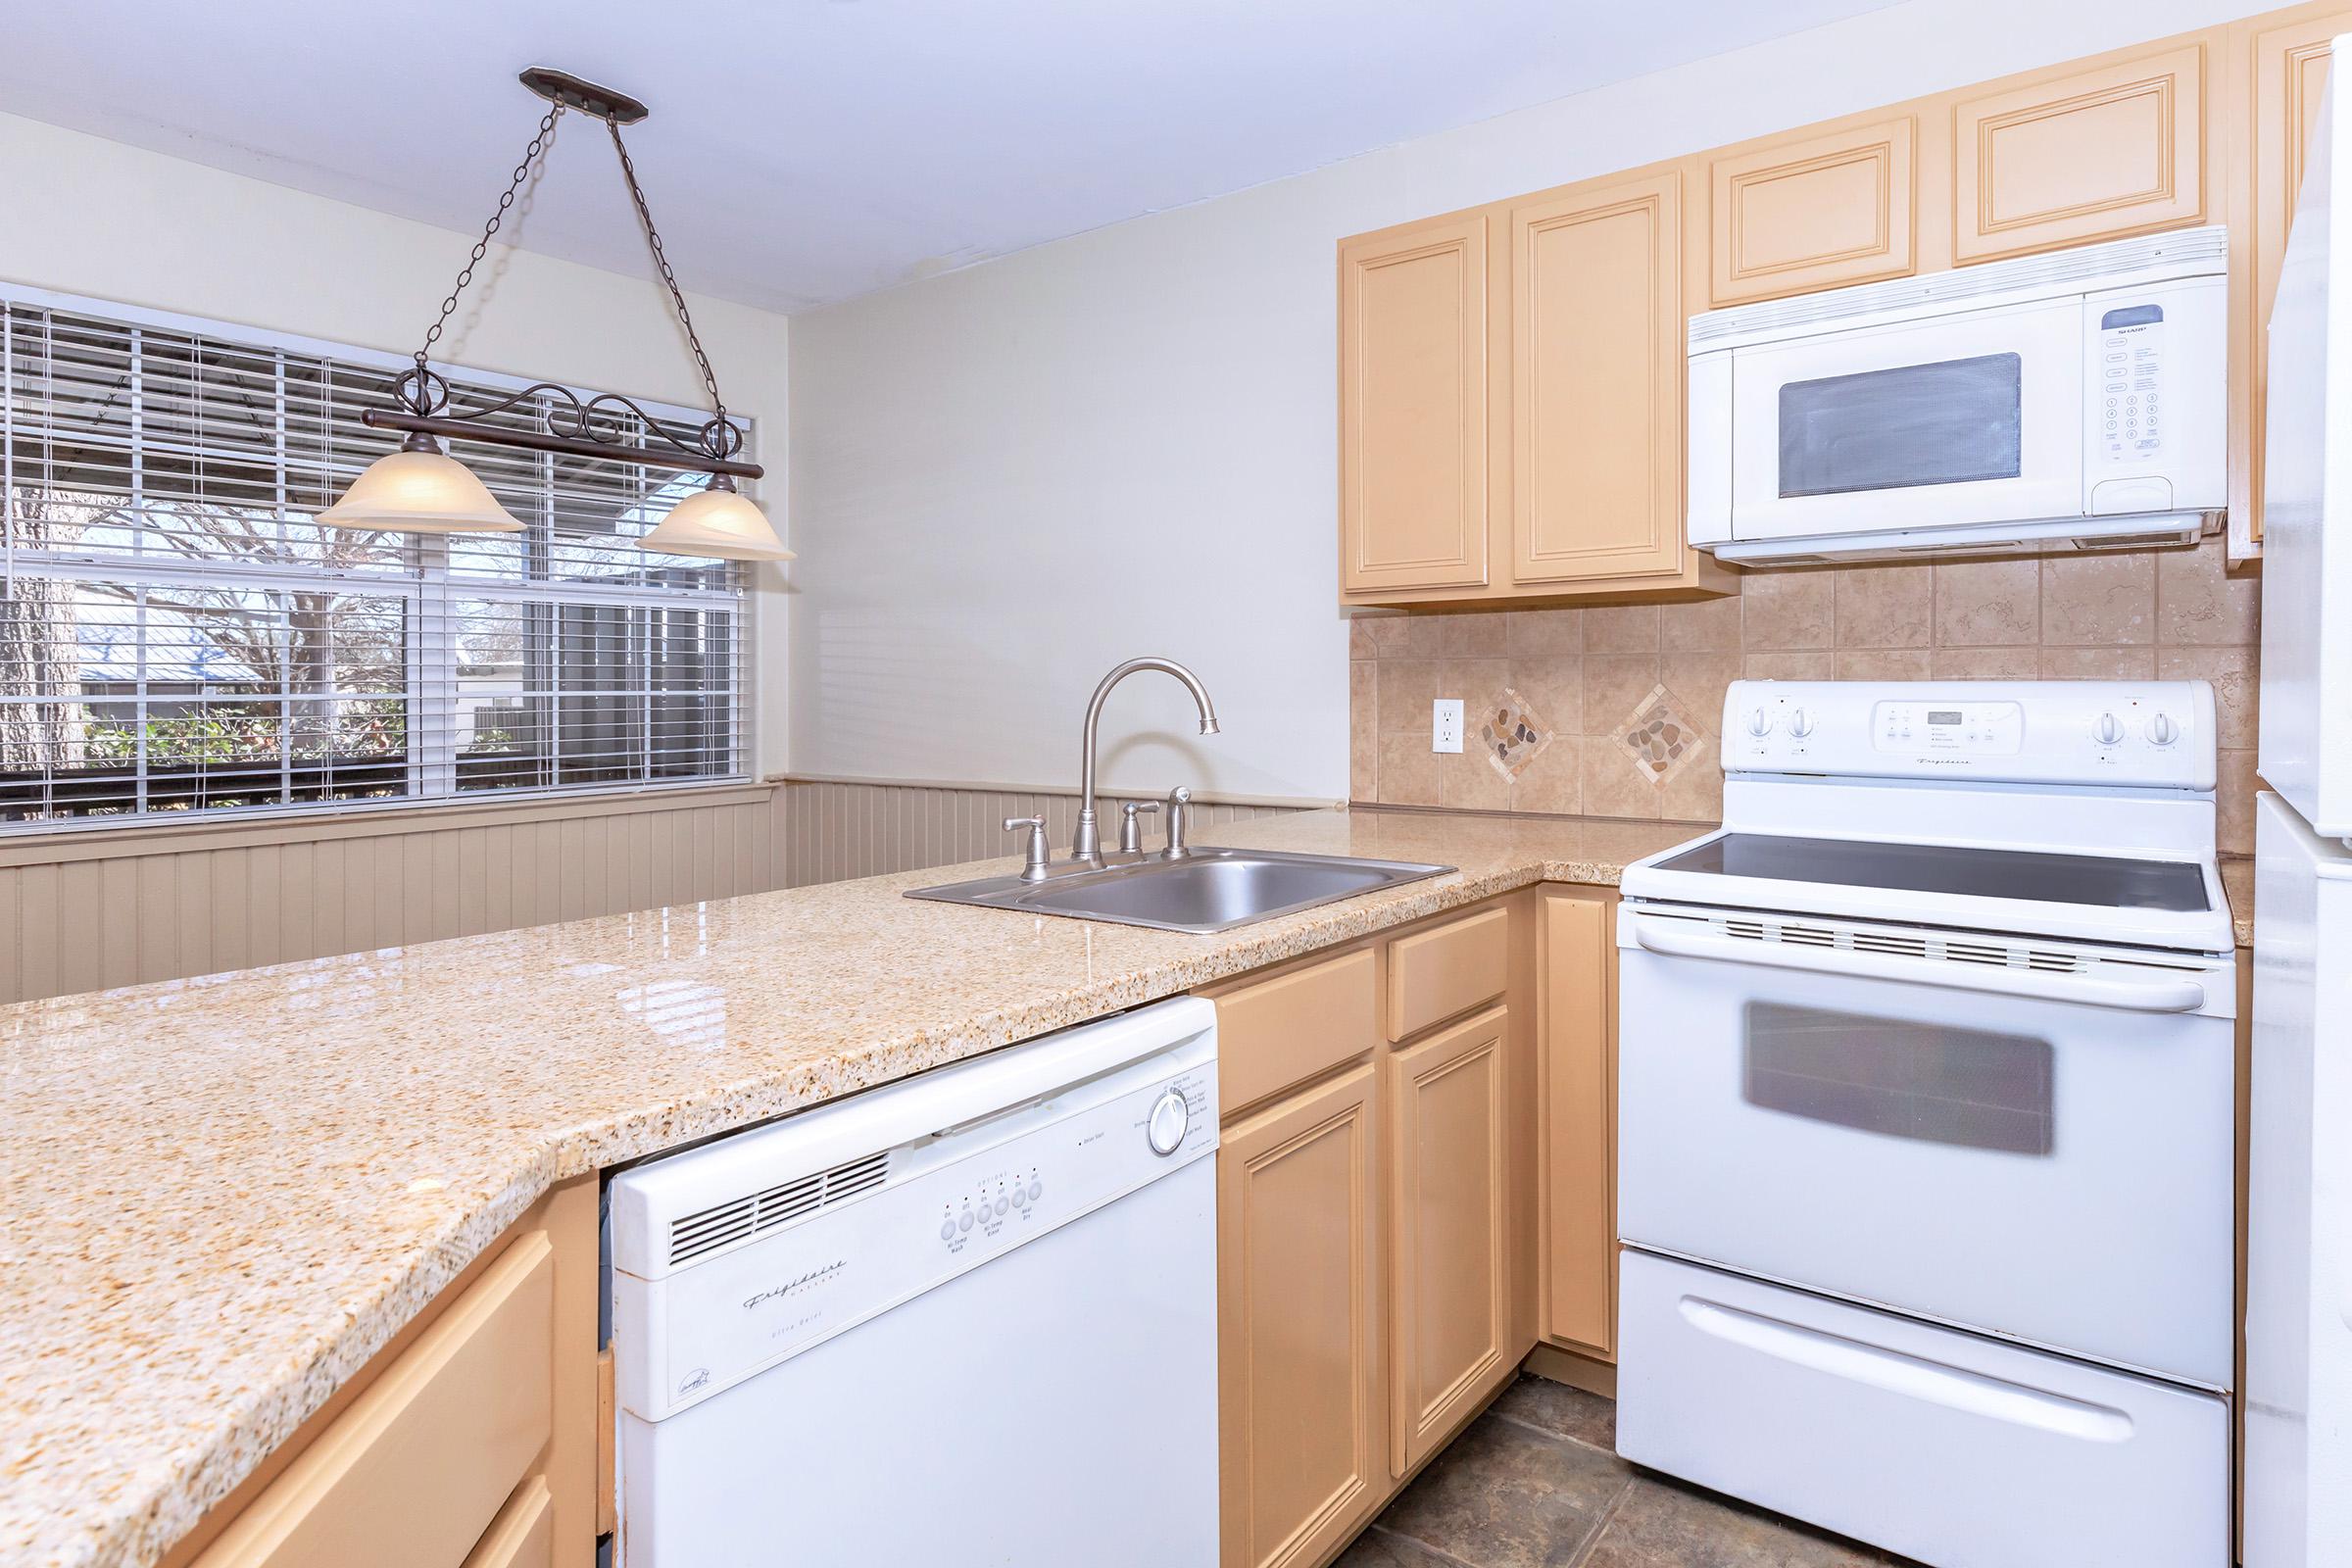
{"x": 177, "y": 637}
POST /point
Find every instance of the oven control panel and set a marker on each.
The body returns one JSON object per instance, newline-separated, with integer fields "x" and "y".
{"x": 1995, "y": 728}
{"x": 2149, "y": 734}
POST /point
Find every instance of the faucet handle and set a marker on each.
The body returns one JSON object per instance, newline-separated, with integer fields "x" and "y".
{"x": 1038, "y": 852}
{"x": 1180, "y": 799}
{"x": 1131, "y": 833}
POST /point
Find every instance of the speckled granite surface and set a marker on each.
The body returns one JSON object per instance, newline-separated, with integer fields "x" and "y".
{"x": 221, "y": 1196}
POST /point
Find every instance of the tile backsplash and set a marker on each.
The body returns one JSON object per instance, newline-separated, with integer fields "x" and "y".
{"x": 1613, "y": 711}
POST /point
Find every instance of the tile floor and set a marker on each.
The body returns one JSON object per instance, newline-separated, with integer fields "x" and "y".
{"x": 1536, "y": 1483}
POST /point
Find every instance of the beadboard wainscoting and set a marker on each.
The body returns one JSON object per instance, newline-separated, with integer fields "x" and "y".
{"x": 84, "y": 911}
{"x": 1628, "y": 699}
{"x": 841, "y": 828}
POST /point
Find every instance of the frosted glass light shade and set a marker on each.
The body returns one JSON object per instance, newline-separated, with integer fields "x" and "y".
{"x": 720, "y": 523}
{"x": 420, "y": 492}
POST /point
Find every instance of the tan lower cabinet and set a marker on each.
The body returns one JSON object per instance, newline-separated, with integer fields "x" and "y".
{"x": 470, "y": 1443}
{"x": 1576, "y": 1069}
{"x": 1449, "y": 1224}
{"x": 1373, "y": 1215}
{"x": 1299, "y": 1406}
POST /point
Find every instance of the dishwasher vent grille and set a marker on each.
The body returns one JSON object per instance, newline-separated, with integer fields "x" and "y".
{"x": 1906, "y": 944}
{"x": 724, "y": 1224}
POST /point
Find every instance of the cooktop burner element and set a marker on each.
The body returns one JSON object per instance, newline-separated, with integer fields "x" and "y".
{"x": 2042, "y": 876}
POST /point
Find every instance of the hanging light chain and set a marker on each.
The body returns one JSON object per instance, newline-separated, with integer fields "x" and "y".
{"x": 719, "y": 436}
{"x": 481, "y": 247}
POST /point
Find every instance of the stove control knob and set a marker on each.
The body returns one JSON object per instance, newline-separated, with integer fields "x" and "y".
{"x": 2107, "y": 729}
{"x": 1170, "y": 1116}
{"x": 1759, "y": 722}
{"x": 1800, "y": 723}
{"x": 2163, "y": 730}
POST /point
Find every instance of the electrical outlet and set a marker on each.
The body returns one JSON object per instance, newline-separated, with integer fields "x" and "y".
{"x": 1446, "y": 724}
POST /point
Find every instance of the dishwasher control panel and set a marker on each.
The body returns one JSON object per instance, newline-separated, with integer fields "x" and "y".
{"x": 950, "y": 1200}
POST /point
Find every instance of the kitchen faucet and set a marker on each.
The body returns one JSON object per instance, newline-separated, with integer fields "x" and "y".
{"x": 1087, "y": 846}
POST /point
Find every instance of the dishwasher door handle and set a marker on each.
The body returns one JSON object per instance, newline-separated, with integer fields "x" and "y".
{"x": 2137, "y": 995}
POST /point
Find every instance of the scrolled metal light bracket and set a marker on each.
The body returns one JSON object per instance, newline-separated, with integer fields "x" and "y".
{"x": 424, "y": 409}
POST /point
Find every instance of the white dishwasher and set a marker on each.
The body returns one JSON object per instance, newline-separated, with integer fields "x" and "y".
{"x": 969, "y": 1318}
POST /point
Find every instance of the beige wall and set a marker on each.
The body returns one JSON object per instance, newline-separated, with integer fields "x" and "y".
{"x": 1008, "y": 478}
{"x": 84, "y": 911}
{"x": 837, "y": 829}
{"x": 2169, "y": 614}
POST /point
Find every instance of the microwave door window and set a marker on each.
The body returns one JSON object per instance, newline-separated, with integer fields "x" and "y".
{"x": 1955, "y": 421}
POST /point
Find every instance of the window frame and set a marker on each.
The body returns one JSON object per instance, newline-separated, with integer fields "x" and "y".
{"x": 427, "y": 586}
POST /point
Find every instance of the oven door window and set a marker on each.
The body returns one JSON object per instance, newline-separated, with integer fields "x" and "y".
{"x": 1954, "y": 421}
{"x": 1935, "y": 1083}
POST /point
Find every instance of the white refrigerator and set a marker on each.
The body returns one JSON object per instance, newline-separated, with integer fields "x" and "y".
{"x": 2298, "y": 1377}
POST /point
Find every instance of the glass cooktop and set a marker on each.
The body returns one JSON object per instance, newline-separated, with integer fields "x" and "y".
{"x": 2097, "y": 880}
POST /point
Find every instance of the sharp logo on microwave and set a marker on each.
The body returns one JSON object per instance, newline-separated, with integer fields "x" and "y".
{"x": 797, "y": 1286}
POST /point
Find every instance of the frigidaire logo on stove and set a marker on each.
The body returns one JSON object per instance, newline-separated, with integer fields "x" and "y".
{"x": 796, "y": 1285}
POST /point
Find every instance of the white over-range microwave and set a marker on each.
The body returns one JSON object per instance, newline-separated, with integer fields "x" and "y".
{"x": 2071, "y": 401}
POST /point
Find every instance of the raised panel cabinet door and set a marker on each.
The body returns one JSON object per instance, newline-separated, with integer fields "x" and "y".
{"x": 2290, "y": 67}
{"x": 1819, "y": 213}
{"x": 2115, "y": 150}
{"x": 1596, "y": 373}
{"x": 1577, "y": 1095}
{"x": 1449, "y": 1197}
{"x": 1414, "y": 407}
{"x": 1298, "y": 1406}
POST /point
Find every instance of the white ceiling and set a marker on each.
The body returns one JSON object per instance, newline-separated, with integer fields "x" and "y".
{"x": 806, "y": 151}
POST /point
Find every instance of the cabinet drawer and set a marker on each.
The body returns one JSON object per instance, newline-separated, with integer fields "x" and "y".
{"x": 523, "y": 1534}
{"x": 1902, "y": 1433}
{"x": 416, "y": 1472}
{"x": 1284, "y": 1031}
{"x": 1448, "y": 970}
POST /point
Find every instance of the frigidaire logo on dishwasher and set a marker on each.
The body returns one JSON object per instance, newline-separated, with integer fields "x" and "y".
{"x": 796, "y": 1285}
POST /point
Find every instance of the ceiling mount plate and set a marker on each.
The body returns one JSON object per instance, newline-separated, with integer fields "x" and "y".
{"x": 577, "y": 92}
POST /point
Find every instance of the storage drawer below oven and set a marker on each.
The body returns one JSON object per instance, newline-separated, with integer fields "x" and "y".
{"x": 1960, "y": 1452}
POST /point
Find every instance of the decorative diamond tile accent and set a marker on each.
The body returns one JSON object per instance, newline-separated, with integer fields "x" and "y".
{"x": 1658, "y": 738}
{"x": 1512, "y": 734}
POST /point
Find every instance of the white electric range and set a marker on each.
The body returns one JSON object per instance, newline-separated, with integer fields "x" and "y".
{"x": 1926, "y": 1076}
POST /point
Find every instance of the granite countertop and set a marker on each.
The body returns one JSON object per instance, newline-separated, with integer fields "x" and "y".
{"x": 223, "y": 1196}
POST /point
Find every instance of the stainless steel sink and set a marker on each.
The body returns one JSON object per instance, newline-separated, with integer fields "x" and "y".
{"x": 1208, "y": 890}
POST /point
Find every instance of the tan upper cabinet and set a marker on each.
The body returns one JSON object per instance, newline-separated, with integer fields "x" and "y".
{"x": 1299, "y": 1404}
{"x": 1816, "y": 212}
{"x": 2288, "y": 55}
{"x": 2081, "y": 156}
{"x": 1576, "y": 1074}
{"x": 1450, "y": 1211}
{"x": 1413, "y": 433}
{"x": 1596, "y": 390}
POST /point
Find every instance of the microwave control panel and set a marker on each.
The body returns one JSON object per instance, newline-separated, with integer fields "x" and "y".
{"x": 2130, "y": 382}
{"x": 2155, "y": 390}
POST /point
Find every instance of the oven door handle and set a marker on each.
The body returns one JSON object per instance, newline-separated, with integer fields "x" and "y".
{"x": 2137, "y": 995}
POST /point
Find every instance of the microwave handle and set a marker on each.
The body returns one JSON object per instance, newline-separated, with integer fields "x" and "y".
{"x": 2137, "y": 995}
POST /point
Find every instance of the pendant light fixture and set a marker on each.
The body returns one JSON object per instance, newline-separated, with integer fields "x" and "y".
{"x": 422, "y": 489}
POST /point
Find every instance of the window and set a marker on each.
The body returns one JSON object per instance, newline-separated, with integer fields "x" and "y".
{"x": 177, "y": 637}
